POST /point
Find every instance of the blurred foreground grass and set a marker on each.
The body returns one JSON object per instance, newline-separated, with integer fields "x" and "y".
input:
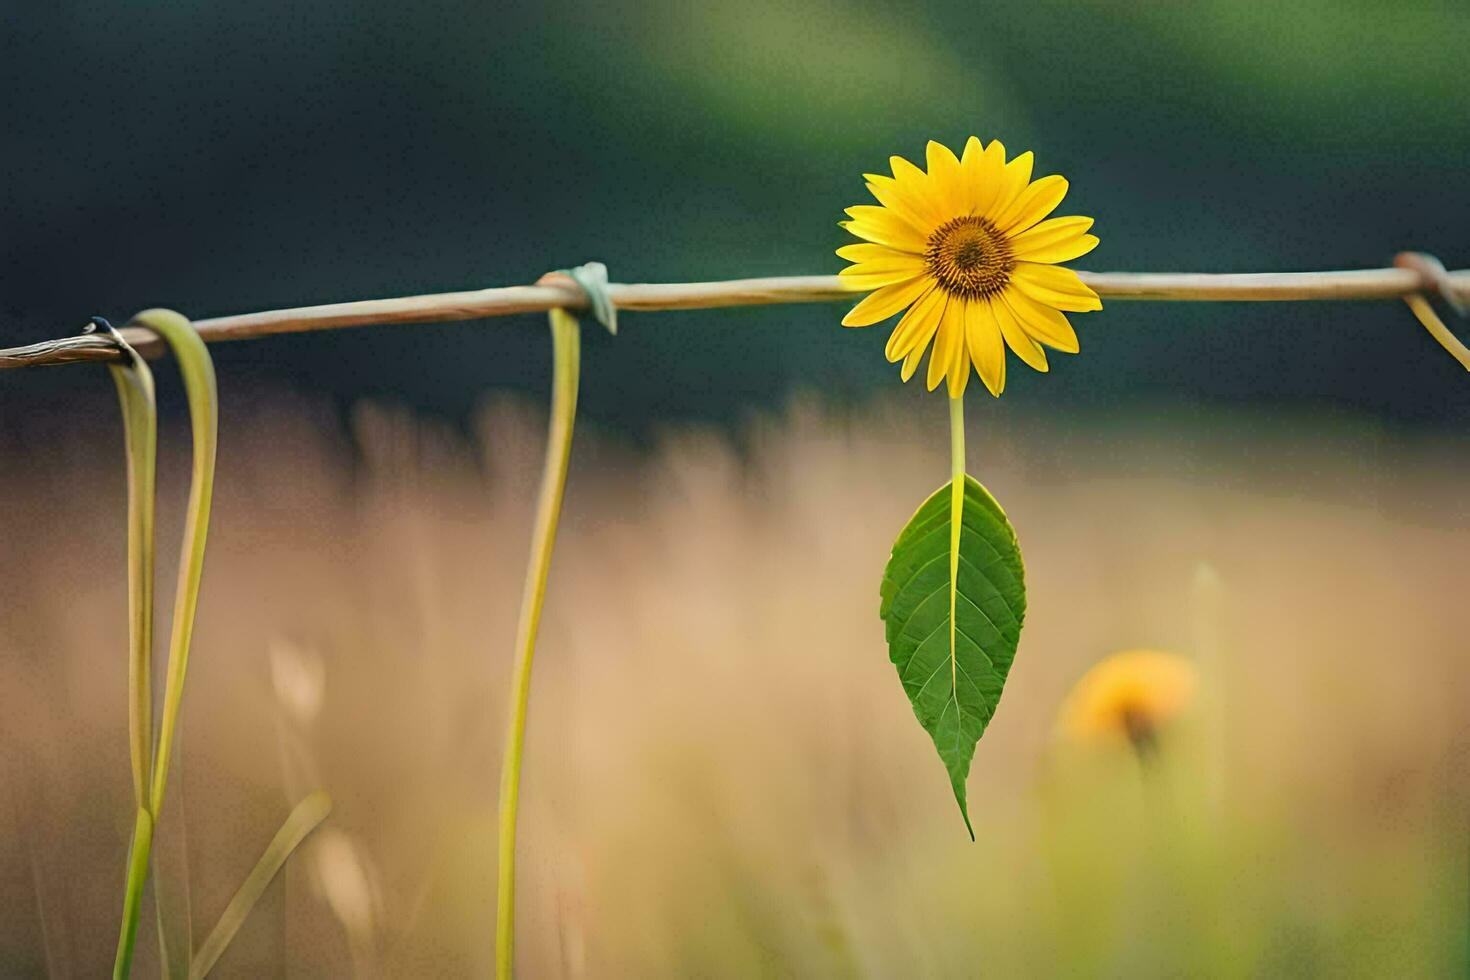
{"x": 724, "y": 778}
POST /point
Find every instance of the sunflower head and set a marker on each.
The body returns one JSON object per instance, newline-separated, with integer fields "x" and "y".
{"x": 964, "y": 252}
{"x": 1133, "y": 694}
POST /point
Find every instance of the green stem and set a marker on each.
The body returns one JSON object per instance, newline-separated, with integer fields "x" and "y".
{"x": 956, "y": 511}
{"x": 566, "y": 356}
{"x": 122, "y": 964}
{"x": 957, "y": 441}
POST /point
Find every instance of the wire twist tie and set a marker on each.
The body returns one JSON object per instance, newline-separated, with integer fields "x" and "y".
{"x": 591, "y": 278}
{"x": 102, "y": 325}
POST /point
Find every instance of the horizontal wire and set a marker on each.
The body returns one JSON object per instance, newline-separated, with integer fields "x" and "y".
{"x": 553, "y": 291}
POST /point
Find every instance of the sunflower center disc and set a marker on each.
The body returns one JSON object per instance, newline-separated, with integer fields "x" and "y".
{"x": 969, "y": 257}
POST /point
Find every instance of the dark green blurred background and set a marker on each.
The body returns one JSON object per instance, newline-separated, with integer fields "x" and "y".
{"x": 225, "y": 157}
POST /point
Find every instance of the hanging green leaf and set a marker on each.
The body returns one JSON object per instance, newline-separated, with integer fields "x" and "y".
{"x": 952, "y": 634}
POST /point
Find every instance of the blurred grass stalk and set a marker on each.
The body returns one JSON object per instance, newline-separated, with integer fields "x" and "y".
{"x": 305, "y": 818}
{"x": 566, "y": 357}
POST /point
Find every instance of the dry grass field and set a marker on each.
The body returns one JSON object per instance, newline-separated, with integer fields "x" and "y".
{"x": 724, "y": 778}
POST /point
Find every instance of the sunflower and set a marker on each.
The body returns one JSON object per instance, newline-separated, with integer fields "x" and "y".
{"x": 963, "y": 248}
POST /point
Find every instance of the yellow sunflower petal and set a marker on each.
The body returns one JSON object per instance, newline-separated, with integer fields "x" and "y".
{"x": 882, "y": 226}
{"x": 1050, "y": 231}
{"x": 1054, "y": 240}
{"x": 916, "y": 327}
{"x": 876, "y": 280}
{"x": 990, "y": 181}
{"x": 909, "y": 207}
{"x": 939, "y": 352}
{"x": 1015, "y": 177}
{"x": 944, "y": 177}
{"x": 1016, "y": 336}
{"x": 911, "y": 362}
{"x": 1066, "y": 251}
{"x": 949, "y": 343}
{"x": 1039, "y": 199}
{"x": 970, "y": 161}
{"x": 1041, "y": 322}
{"x": 1055, "y": 286}
{"x": 922, "y": 190}
{"x": 907, "y": 172}
{"x": 982, "y": 337}
{"x": 909, "y": 196}
{"x": 959, "y": 367}
{"x": 916, "y": 186}
{"x": 868, "y": 252}
{"x": 883, "y": 303}
{"x": 970, "y": 175}
{"x": 893, "y": 262}
{"x": 893, "y": 268}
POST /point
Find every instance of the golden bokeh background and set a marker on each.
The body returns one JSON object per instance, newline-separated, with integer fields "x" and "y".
{"x": 724, "y": 778}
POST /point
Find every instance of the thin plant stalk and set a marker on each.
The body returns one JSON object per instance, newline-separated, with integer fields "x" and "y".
{"x": 122, "y": 965}
{"x": 197, "y": 370}
{"x": 956, "y": 523}
{"x": 170, "y": 880}
{"x": 150, "y": 761}
{"x": 135, "y": 393}
{"x": 1426, "y": 315}
{"x": 956, "y": 512}
{"x": 566, "y": 357}
{"x": 198, "y": 373}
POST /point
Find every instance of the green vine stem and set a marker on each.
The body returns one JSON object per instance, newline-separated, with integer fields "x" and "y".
{"x": 566, "y": 357}
{"x": 150, "y": 769}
